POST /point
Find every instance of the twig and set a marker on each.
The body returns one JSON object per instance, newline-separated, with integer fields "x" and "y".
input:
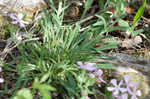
{"x": 8, "y": 50}
{"x": 147, "y": 20}
{"x": 92, "y": 16}
{"x": 83, "y": 29}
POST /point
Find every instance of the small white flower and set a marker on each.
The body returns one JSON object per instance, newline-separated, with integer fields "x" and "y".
{"x": 1, "y": 80}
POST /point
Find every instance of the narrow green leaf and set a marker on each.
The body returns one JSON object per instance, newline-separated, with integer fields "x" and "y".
{"x": 72, "y": 81}
{"x": 135, "y": 33}
{"x": 47, "y": 87}
{"x": 139, "y": 13}
{"x": 116, "y": 28}
{"x": 110, "y": 45}
{"x": 87, "y": 5}
{"x": 44, "y": 78}
{"x": 101, "y": 4}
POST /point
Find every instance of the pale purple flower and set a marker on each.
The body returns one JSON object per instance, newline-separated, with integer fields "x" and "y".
{"x": 18, "y": 19}
{"x": 89, "y": 66}
{"x": 128, "y": 83}
{"x": 135, "y": 92}
{"x": 1, "y": 80}
{"x": 99, "y": 73}
{"x": 117, "y": 88}
{"x": 123, "y": 96}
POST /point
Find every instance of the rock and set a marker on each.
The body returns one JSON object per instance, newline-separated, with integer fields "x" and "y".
{"x": 125, "y": 57}
{"x": 139, "y": 63}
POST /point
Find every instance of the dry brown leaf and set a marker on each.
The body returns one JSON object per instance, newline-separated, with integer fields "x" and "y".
{"x": 129, "y": 43}
{"x": 129, "y": 10}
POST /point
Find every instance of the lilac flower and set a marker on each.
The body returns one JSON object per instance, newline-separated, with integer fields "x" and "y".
{"x": 127, "y": 83}
{"x": 1, "y": 80}
{"x": 117, "y": 88}
{"x": 99, "y": 73}
{"x": 89, "y": 66}
{"x": 133, "y": 85}
{"x": 18, "y": 19}
{"x": 135, "y": 92}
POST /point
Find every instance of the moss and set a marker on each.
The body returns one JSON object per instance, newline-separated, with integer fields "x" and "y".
{"x": 4, "y": 32}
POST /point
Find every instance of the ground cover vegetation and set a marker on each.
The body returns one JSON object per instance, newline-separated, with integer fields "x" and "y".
{"x": 57, "y": 57}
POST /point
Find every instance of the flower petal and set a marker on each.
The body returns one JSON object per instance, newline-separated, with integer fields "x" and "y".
{"x": 1, "y": 80}
{"x": 138, "y": 93}
{"x": 114, "y": 82}
{"x": 123, "y": 90}
{"x": 21, "y": 24}
{"x": 110, "y": 88}
{"x": 129, "y": 90}
{"x": 133, "y": 84}
{"x": 80, "y": 63}
{"x": 20, "y": 16}
{"x": 120, "y": 83}
{"x": 116, "y": 93}
{"x": 124, "y": 96}
{"x": 14, "y": 22}
{"x": 13, "y": 16}
{"x": 127, "y": 78}
{"x": 89, "y": 67}
{"x": 98, "y": 72}
{"x": 102, "y": 80}
{"x": 134, "y": 97}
